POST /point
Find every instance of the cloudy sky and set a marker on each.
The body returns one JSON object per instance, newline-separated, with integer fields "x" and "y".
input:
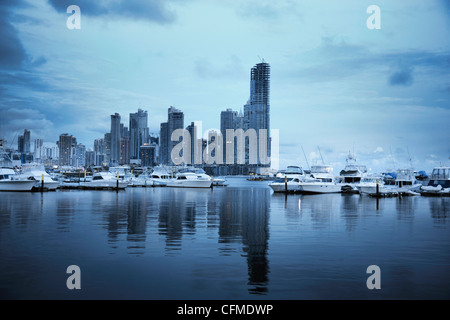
{"x": 335, "y": 84}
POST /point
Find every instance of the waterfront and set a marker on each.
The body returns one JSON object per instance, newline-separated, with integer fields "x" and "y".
{"x": 236, "y": 242}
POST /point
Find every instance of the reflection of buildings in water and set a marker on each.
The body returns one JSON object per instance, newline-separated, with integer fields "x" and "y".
{"x": 177, "y": 214}
{"x": 439, "y": 209}
{"x": 137, "y": 217}
{"x": 65, "y": 210}
{"x": 114, "y": 215}
{"x": 230, "y": 217}
{"x": 350, "y": 210}
{"x": 244, "y": 216}
{"x": 21, "y": 208}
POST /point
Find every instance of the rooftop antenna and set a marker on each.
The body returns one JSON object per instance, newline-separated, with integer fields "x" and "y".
{"x": 306, "y": 158}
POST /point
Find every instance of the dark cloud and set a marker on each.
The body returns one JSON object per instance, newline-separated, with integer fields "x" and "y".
{"x": 402, "y": 77}
{"x": 151, "y": 10}
{"x": 12, "y": 52}
{"x": 335, "y": 59}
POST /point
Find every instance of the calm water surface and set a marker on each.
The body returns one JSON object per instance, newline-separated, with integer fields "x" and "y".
{"x": 235, "y": 242}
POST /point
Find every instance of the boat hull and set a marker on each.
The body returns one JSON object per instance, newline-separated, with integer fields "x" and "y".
{"x": 17, "y": 185}
{"x": 316, "y": 188}
{"x": 281, "y": 187}
{"x": 190, "y": 184}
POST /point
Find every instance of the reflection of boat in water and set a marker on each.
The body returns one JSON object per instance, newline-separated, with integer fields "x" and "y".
{"x": 11, "y": 181}
{"x": 104, "y": 180}
{"x": 190, "y": 180}
{"x": 439, "y": 184}
{"x": 289, "y": 180}
{"x": 351, "y": 175}
{"x": 37, "y": 173}
{"x": 321, "y": 180}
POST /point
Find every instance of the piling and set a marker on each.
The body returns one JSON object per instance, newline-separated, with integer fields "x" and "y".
{"x": 285, "y": 184}
{"x": 42, "y": 183}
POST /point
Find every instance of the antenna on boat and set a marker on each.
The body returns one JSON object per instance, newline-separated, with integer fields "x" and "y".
{"x": 323, "y": 162}
{"x": 306, "y": 158}
{"x": 410, "y": 159}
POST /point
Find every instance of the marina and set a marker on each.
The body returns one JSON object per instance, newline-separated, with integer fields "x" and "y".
{"x": 243, "y": 241}
{"x": 353, "y": 179}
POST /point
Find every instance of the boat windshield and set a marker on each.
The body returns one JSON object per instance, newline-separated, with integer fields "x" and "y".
{"x": 440, "y": 173}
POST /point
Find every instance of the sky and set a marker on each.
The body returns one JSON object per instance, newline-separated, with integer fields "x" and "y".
{"x": 336, "y": 85}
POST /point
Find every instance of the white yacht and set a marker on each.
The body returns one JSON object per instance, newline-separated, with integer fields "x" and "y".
{"x": 289, "y": 180}
{"x": 159, "y": 177}
{"x": 320, "y": 180}
{"x": 405, "y": 183}
{"x": 37, "y": 172}
{"x": 104, "y": 180}
{"x": 352, "y": 174}
{"x": 439, "y": 183}
{"x": 368, "y": 185}
{"x": 190, "y": 180}
{"x": 11, "y": 181}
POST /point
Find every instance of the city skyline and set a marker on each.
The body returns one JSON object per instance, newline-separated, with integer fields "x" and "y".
{"x": 335, "y": 84}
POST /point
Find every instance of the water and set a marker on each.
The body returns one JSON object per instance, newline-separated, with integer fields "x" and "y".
{"x": 235, "y": 242}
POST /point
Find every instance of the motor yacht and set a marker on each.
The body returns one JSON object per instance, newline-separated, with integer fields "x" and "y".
{"x": 439, "y": 183}
{"x": 289, "y": 180}
{"x": 104, "y": 180}
{"x": 190, "y": 180}
{"x": 405, "y": 183}
{"x": 37, "y": 173}
{"x": 351, "y": 175}
{"x": 320, "y": 180}
{"x": 11, "y": 181}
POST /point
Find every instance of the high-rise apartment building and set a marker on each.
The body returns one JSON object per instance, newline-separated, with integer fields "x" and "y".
{"x": 257, "y": 110}
{"x": 115, "y": 140}
{"x": 175, "y": 120}
{"x": 66, "y": 145}
{"x": 139, "y": 133}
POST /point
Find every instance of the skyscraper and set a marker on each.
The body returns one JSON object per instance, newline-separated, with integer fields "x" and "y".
{"x": 23, "y": 142}
{"x": 66, "y": 145}
{"x": 175, "y": 120}
{"x": 115, "y": 140}
{"x": 139, "y": 132}
{"x": 163, "y": 144}
{"x": 227, "y": 119}
{"x": 257, "y": 110}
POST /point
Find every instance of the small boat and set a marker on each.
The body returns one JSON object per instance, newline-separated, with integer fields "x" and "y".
{"x": 11, "y": 181}
{"x": 321, "y": 180}
{"x": 219, "y": 182}
{"x": 190, "y": 180}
